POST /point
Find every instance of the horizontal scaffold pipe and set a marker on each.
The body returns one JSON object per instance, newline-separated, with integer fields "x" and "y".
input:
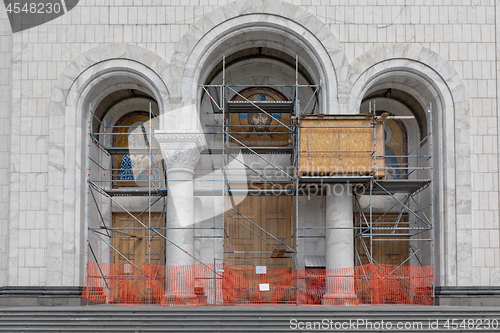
{"x": 261, "y": 85}
{"x": 337, "y": 127}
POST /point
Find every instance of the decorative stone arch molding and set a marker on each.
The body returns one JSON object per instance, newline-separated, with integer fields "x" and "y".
{"x": 66, "y": 82}
{"x": 87, "y": 79}
{"x": 192, "y": 54}
{"x": 424, "y": 61}
{"x": 451, "y": 117}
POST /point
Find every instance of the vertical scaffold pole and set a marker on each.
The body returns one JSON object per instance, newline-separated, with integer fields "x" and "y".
{"x": 371, "y": 203}
{"x": 107, "y": 143}
{"x": 215, "y": 282}
{"x": 374, "y": 124}
{"x": 297, "y": 145}
{"x": 88, "y": 179}
{"x": 224, "y": 137}
{"x": 150, "y": 159}
{"x": 371, "y": 190}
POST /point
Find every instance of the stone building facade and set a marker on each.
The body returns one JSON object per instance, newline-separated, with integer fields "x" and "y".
{"x": 438, "y": 53}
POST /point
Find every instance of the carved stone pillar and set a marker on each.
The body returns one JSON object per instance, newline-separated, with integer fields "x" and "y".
{"x": 181, "y": 153}
{"x": 339, "y": 247}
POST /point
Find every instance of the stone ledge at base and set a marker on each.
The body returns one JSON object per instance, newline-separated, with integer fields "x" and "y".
{"x": 71, "y": 296}
{"x": 468, "y": 296}
{"x": 42, "y": 296}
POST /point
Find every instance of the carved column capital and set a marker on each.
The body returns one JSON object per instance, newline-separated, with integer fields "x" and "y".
{"x": 180, "y": 151}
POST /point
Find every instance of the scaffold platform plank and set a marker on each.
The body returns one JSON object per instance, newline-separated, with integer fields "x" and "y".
{"x": 140, "y": 192}
{"x": 249, "y": 150}
{"x": 335, "y": 179}
{"x": 379, "y": 187}
{"x": 399, "y": 185}
{"x": 252, "y": 107}
{"x": 126, "y": 150}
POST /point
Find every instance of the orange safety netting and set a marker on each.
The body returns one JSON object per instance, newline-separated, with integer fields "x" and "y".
{"x": 371, "y": 284}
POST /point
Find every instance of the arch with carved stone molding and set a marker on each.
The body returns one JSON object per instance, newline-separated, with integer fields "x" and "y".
{"x": 86, "y": 81}
{"x": 451, "y": 114}
{"x": 229, "y": 22}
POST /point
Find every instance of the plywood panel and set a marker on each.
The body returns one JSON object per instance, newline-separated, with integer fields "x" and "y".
{"x": 241, "y": 232}
{"x": 272, "y": 214}
{"x": 338, "y": 145}
{"x": 277, "y": 214}
{"x": 131, "y": 239}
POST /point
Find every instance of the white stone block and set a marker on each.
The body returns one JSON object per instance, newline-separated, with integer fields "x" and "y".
{"x": 484, "y": 238}
{"x": 478, "y": 257}
{"x": 22, "y": 258}
{"x": 483, "y": 200}
{"x": 495, "y": 276}
{"x": 142, "y": 15}
{"x": 493, "y": 201}
{"x": 30, "y": 258}
{"x": 40, "y": 258}
{"x": 35, "y": 238}
{"x": 489, "y": 219}
{"x": 494, "y": 238}
{"x": 25, "y": 163}
{"x": 30, "y": 219}
{"x": 24, "y": 239}
{"x": 485, "y": 276}
{"x": 24, "y": 278}
{"x": 490, "y": 15}
{"x": 475, "y": 236}
{"x": 41, "y": 225}
{"x": 34, "y": 276}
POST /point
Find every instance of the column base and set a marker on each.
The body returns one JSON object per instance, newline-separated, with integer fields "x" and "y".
{"x": 179, "y": 299}
{"x": 340, "y": 300}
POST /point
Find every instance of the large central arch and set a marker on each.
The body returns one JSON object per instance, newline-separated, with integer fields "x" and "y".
{"x": 245, "y": 24}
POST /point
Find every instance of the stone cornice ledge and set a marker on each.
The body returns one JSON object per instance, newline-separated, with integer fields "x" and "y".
{"x": 187, "y": 140}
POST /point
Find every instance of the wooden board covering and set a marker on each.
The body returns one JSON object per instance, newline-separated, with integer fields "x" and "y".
{"x": 132, "y": 239}
{"x": 340, "y": 145}
{"x": 271, "y": 213}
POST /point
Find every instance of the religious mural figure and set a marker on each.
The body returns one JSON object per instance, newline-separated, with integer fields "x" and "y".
{"x": 260, "y": 120}
{"x": 266, "y": 125}
{"x": 396, "y": 149}
{"x": 135, "y": 164}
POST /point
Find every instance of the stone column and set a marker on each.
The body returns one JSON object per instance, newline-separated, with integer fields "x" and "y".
{"x": 181, "y": 153}
{"x": 339, "y": 247}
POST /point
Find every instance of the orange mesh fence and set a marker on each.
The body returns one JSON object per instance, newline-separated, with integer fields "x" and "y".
{"x": 242, "y": 285}
{"x": 371, "y": 284}
{"x": 393, "y": 284}
{"x": 142, "y": 284}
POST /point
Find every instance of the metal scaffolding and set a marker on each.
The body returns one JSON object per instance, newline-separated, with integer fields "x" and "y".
{"x": 103, "y": 180}
{"x": 413, "y": 223}
{"x": 285, "y": 184}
